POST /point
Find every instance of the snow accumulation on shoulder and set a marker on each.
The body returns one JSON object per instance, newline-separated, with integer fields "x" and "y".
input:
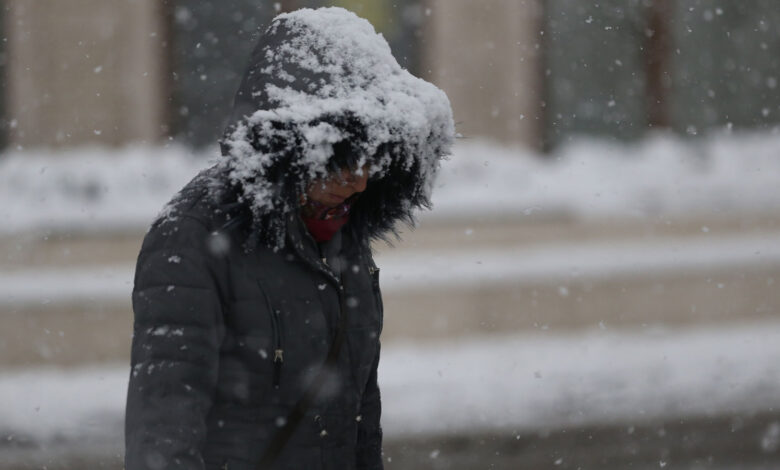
{"x": 94, "y": 189}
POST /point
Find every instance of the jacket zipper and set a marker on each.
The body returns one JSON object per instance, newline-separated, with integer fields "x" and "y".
{"x": 276, "y": 327}
{"x": 278, "y": 350}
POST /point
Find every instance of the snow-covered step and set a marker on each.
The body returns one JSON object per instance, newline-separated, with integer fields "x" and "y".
{"x": 557, "y": 263}
{"x": 73, "y": 315}
{"x": 111, "y": 247}
{"x": 509, "y": 384}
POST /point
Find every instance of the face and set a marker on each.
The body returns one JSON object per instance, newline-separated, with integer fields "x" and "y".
{"x": 337, "y": 187}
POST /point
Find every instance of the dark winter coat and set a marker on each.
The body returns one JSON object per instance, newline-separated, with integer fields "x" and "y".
{"x": 227, "y": 341}
{"x": 236, "y": 306}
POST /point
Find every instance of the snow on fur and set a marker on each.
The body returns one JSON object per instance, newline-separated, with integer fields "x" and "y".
{"x": 324, "y": 77}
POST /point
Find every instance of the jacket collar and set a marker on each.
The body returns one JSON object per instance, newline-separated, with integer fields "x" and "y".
{"x": 304, "y": 245}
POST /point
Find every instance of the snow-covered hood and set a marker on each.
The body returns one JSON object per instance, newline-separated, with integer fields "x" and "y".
{"x": 320, "y": 79}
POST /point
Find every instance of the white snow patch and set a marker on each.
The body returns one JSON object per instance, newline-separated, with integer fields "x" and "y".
{"x": 97, "y": 284}
{"x": 526, "y": 382}
{"x": 159, "y": 331}
{"x": 91, "y": 188}
{"x": 63, "y": 404}
{"x": 660, "y": 175}
{"x": 549, "y": 380}
{"x": 559, "y": 262}
{"x": 108, "y": 189}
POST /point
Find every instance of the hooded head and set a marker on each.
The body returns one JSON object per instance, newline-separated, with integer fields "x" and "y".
{"x": 323, "y": 93}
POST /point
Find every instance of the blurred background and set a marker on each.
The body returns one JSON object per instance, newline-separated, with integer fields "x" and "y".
{"x": 595, "y": 287}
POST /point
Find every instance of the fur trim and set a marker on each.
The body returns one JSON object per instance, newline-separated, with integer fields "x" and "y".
{"x": 322, "y": 92}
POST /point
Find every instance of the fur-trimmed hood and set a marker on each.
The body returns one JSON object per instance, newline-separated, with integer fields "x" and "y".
{"x": 323, "y": 91}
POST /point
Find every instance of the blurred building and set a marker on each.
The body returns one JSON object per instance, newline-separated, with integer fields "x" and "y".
{"x": 528, "y": 72}
{"x": 85, "y": 71}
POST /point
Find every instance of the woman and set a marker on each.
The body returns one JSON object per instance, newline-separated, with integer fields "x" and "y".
{"x": 256, "y": 299}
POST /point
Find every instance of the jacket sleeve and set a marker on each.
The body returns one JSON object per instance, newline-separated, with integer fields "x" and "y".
{"x": 176, "y": 338}
{"x": 369, "y": 445}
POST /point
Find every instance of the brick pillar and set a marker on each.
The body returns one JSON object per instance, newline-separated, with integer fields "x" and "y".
{"x": 85, "y": 71}
{"x": 484, "y": 54}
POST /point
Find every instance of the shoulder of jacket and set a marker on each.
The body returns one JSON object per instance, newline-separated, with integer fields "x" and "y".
{"x": 198, "y": 200}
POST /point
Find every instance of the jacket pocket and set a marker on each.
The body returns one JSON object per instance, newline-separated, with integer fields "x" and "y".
{"x": 277, "y": 339}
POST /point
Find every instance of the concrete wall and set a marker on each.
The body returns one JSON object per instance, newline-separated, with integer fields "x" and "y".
{"x": 85, "y": 71}
{"x": 486, "y": 57}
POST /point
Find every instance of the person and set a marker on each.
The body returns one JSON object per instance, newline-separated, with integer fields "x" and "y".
{"x": 256, "y": 299}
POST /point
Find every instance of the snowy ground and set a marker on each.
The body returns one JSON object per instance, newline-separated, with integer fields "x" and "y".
{"x": 514, "y": 383}
{"x": 550, "y": 381}
{"x": 510, "y": 383}
{"x": 90, "y": 189}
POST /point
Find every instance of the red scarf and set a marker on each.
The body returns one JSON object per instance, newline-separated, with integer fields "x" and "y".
{"x": 323, "y": 222}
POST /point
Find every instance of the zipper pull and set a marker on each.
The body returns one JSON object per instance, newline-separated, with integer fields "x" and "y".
{"x": 323, "y": 431}
{"x": 325, "y": 261}
{"x": 278, "y": 360}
